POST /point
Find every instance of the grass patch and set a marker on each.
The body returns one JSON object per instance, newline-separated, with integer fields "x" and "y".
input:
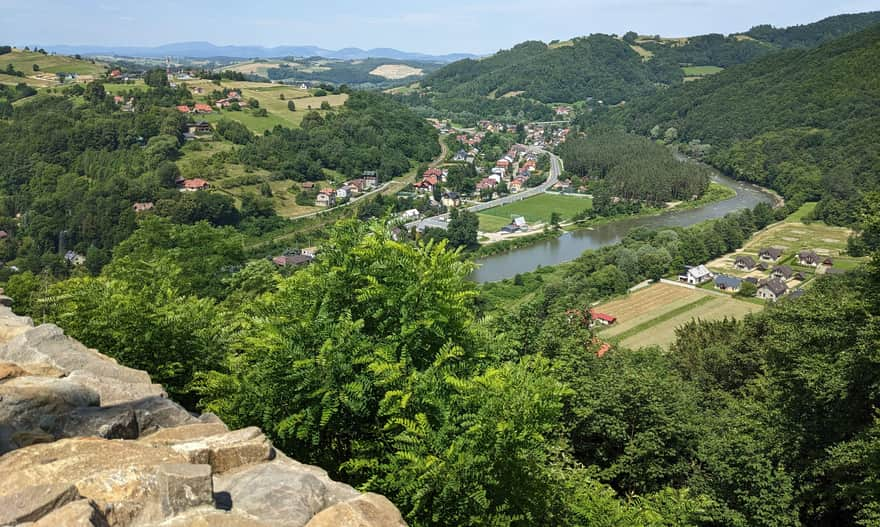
{"x": 799, "y": 215}
{"x": 793, "y": 237}
{"x": 24, "y": 61}
{"x": 539, "y": 208}
{"x": 701, "y": 71}
{"x": 489, "y": 223}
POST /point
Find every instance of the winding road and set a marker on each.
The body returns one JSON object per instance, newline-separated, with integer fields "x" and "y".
{"x": 440, "y": 222}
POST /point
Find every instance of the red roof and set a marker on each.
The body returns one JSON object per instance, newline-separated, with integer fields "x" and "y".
{"x": 3, "y": 235}
{"x": 603, "y": 349}
{"x": 602, "y": 316}
{"x": 199, "y": 107}
{"x": 183, "y": 109}
{"x": 195, "y": 183}
{"x": 502, "y": 163}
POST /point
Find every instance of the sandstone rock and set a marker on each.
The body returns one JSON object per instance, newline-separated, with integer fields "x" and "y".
{"x": 155, "y": 413}
{"x": 114, "y": 422}
{"x": 115, "y": 391}
{"x": 25, "y": 439}
{"x": 33, "y": 404}
{"x": 228, "y": 451}
{"x": 81, "y": 513}
{"x": 30, "y": 503}
{"x": 185, "y": 433}
{"x": 183, "y": 487}
{"x": 47, "y": 344}
{"x": 119, "y": 476}
{"x": 213, "y": 518}
{"x": 281, "y": 493}
{"x": 368, "y": 510}
{"x": 9, "y": 370}
{"x": 12, "y": 325}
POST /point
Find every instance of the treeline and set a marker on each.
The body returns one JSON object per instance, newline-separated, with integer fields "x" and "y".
{"x": 633, "y": 168}
{"x": 800, "y": 122}
{"x": 371, "y": 132}
{"x": 811, "y": 35}
{"x": 10, "y": 94}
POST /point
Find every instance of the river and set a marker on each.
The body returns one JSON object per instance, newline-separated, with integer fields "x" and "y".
{"x": 572, "y": 244}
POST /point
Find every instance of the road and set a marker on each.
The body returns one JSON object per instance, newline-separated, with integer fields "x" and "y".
{"x": 555, "y": 171}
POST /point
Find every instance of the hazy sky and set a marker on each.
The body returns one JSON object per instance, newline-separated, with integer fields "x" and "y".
{"x": 476, "y": 26}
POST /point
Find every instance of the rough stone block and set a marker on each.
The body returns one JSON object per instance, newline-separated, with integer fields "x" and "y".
{"x": 183, "y": 487}
{"x": 34, "y": 502}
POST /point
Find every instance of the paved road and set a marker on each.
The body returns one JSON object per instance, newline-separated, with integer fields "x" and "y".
{"x": 555, "y": 171}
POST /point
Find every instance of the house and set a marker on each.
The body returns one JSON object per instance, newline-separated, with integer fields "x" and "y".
{"x": 183, "y": 108}
{"x": 202, "y": 108}
{"x": 509, "y": 229}
{"x": 451, "y": 199}
{"x": 200, "y": 127}
{"x": 517, "y": 184}
{"x": 603, "y": 349}
{"x": 828, "y": 262}
{"x": 563, "y": 110}
{"x": 520, "y": 222}
{"x": 325, "y": 198}
{"x": 800, "y": 277}
{"x": 486, "y": 184}
{"x": 308, "y": 185}
{"x": 809, "y": 258}
{"x": 142, "y": 207}
{"x": 728, "y": 283}
{"x": 411, "y": 214}
{"x": 461, "y": 155}
{"x": 292, "y": 260}
{"x": 773, "y": 290}
{"x": 118, "y": 99}
{"x": 371, "y": 180}
{"x": 770, "y": 254}
{"x": 502, "y": 163}
{"x": 74, "y": 258}
{"x": 696, "y": 275}
{"x": 195, "y": 184}
{"x": 763, "y": 267}
{"x": 343, "y": 192}
{"x": 602, "y": 318}
{"x": 744, "y": 263}
{"x": 782, "y": 272}
{"x": 426, "y": 185}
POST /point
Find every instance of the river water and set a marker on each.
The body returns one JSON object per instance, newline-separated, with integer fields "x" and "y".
{"x": 571, "y": 244}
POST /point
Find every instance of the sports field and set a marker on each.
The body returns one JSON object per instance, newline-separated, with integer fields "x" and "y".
{"x": 539, "y": 208}
{"x": 650, "y": 316}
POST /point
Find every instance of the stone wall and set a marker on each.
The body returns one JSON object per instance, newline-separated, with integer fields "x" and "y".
{"x": 87, "y": 442}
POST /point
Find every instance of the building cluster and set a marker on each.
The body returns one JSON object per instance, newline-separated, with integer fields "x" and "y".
{"x": 772, "y": 278}
{"x": 329, "y": 196}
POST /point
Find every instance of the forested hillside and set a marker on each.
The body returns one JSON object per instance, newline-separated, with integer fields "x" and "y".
{"x": 802, "y": 122}
{"x": 72, "y": 166}
{"x": 598, "y": 66}
{"x": 725, "y": 51}
{"x": 633, "y": 168}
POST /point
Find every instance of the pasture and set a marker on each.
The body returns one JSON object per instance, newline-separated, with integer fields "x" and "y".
{"x": 649, "y": 317}
{"x": 701, "y": 71}
{"x": 538, "y": 209}
{"x": 24, "y": 61}
{"x": 793, "y": 237}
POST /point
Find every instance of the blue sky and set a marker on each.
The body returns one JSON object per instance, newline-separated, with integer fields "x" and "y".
{"x": 476, "y": 26}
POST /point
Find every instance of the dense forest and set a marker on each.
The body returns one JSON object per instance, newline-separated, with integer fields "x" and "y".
{"x": 726, "y": 51}
{"x": 802, "y": 122}
{"x": 599, "y": 67}
{"x": 72, "y": 165}
{"x": 382, "y": 363}
{"x": 371, "y": 132}
{"x": 633, "y": 168}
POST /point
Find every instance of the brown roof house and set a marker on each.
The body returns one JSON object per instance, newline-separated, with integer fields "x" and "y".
{"x": 773, "y": 290}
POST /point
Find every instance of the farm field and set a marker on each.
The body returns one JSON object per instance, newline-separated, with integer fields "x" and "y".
{"x": 539, "y": 208}
{"x": 661, "y": 332}
{"x": 792, "y": 237}
{"x": 650, "y": 316}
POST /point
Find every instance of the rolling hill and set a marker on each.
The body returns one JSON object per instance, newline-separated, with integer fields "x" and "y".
{"x": 47, "y": 67}
{"x": 802, "y": 121}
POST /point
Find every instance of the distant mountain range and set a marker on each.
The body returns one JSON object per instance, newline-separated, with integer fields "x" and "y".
{"x": 204, "y": 50}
